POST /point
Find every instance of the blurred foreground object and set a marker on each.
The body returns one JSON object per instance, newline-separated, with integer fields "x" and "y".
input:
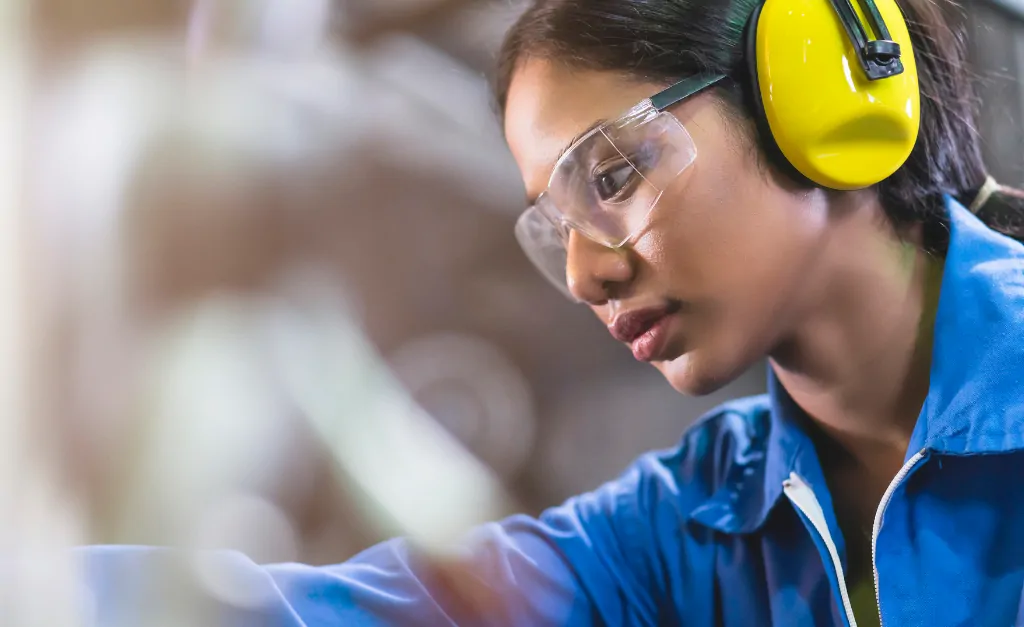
{"x": 195, "y": 320}
{"x": 38, "y": 521}
{"x": 198, "y": 220}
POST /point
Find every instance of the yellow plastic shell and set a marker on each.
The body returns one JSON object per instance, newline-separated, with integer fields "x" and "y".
{"x": 837, "y": 128}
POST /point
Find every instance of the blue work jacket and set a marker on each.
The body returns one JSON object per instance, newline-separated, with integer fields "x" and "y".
{"x": 734, "y": 527}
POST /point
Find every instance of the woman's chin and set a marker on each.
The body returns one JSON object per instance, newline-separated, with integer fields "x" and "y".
{"x": 691, "y": 375}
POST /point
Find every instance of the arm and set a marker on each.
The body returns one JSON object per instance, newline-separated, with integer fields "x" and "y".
{"x": 588, "y": 562}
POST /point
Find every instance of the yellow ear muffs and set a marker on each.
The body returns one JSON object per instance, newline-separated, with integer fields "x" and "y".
{"x": 842, "y": 105}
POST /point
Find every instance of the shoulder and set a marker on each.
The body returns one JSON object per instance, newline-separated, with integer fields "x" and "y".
{"x": 732, "y": 433}
{"x": 617, "y": 537}
{"x": 671, "y": 483}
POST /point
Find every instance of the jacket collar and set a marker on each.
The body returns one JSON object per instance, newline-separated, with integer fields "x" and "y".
{"x": 975, "y": 403}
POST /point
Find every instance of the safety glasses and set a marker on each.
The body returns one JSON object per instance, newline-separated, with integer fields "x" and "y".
{"x": 608, "y": 181}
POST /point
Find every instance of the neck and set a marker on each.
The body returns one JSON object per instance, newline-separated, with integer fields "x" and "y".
{"x": 859, "y": 363}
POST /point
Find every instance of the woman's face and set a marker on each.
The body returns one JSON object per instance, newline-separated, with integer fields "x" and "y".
{"x": 728, "y": 258}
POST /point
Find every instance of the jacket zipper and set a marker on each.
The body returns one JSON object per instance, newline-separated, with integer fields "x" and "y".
{"x": 802, "y": 497}
{"x": 900, "y": 476}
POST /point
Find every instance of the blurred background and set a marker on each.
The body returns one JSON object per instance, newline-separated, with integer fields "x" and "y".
{"x": 232, "y": 227}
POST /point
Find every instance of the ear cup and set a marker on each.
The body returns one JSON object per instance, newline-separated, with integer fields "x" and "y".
{"x": 835, "y": 126}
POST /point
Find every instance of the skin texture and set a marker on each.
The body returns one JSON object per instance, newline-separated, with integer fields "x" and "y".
{"x": 817, "y": 281}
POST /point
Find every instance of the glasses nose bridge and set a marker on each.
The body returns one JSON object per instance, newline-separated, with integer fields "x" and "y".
{"x": 557, "y": 218}
{"x": 594, "y": 269}
{"x": 546, "y": 206}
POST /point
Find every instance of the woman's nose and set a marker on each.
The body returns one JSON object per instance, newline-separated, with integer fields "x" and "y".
{"x": 595, "y": 273}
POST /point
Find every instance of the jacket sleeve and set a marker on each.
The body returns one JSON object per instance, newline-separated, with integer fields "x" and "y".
{"x": 590, "y": 561}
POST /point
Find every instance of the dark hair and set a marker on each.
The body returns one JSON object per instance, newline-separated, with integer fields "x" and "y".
{"x": 663, "y": 41}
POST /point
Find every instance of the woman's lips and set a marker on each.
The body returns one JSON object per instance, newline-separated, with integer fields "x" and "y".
{"x": 645, "y": 330}
{"x": 652, "y": 343}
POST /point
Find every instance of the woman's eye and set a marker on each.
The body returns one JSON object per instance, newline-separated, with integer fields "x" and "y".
{"x": 611, "y": 182}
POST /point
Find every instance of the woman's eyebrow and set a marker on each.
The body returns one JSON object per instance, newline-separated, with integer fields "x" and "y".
{"x": 575, "y": 140}
{"x": 530, "y": 201}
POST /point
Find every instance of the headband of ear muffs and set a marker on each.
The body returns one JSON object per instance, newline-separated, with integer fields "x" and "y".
{"x": 835, "y": 84}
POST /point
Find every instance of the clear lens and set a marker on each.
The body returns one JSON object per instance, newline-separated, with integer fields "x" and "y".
{"x": 605, "y": 187}
{"x": 607, "y": 184}
{"x": 544, "y": 245}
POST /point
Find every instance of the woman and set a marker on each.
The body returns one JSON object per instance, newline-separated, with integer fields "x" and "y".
{"x": 729, "y": 217}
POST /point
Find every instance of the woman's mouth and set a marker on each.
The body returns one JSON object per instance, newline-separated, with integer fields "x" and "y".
{"x": 646, "y": 331}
